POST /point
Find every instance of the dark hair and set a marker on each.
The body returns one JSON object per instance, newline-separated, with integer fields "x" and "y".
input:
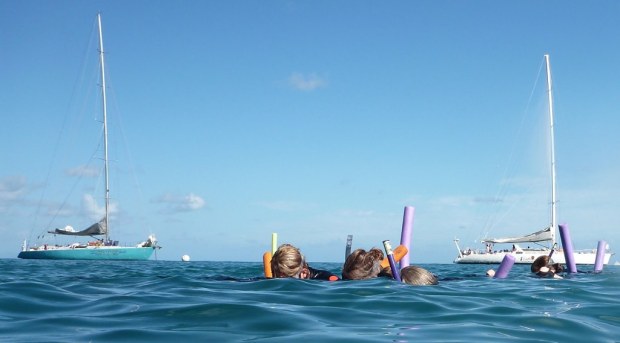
{"x": 539, "y": 262}
{"x": 362, "y": 265}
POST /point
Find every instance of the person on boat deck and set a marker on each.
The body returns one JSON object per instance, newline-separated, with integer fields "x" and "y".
{"x": 288, "y": 262}
{"x": 542, "y": 267}
{"x": 417, "y": 276}
{"x": 362, "y": 265}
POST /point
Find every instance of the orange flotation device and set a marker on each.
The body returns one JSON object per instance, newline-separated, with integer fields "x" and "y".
{"x": 267, "y": 264}
{"x": 399, "y": 252}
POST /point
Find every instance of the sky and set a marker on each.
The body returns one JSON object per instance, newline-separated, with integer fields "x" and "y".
{"x": 232, "y": 120}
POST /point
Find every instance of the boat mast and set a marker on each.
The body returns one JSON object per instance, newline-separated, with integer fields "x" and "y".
{"x": 105, "y": 128}
{"x": 552, "y": 147}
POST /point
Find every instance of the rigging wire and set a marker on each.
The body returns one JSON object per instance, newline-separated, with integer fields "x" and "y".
{"x": 496, "y": 218}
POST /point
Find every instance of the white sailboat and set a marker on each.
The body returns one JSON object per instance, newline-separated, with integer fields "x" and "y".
{"x": 102, "y": 248}
{"x": 547, "y": 235}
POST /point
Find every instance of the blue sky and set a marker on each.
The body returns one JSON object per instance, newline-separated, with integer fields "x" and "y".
{"x": 230, "y": 120}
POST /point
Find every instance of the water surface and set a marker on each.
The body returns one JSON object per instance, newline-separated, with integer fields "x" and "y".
{"x": 164, "y": 301}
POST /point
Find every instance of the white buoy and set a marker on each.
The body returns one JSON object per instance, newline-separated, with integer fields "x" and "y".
{"x": 185, "y": 258}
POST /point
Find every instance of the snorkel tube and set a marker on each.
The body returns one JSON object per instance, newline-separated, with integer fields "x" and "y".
{"x": 390, "y": 257}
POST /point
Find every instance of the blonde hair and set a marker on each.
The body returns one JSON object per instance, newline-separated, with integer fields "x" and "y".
{"x": 418, "y": 276}
{"x": 287, "y": 261}
{"x": 362, "y": 265}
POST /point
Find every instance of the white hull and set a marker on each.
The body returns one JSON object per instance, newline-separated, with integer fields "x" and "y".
{"x": 526, "y": 256}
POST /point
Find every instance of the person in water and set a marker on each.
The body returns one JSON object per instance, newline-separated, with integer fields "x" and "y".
{"x": 417, "y": 276}
{"x": 288, "y": 262}
{"x": 362, "y": 265}
{"x": 543, "y": 268}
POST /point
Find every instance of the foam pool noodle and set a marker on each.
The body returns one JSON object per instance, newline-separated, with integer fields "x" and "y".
{"x": 600, "y": 256}
{"x": 405, "y": 237}
{"x": 398, "y": 253}
{"x": 505, "y": 266}
{"x": 567, "y": 245}
{"x": 267, "y": 264}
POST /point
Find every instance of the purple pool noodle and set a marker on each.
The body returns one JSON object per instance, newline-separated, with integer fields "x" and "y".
{"x": 567, "y": 245}
{"x": 600, "y": 257}
{"x": 505, "y": 266}
{"x": 405, "y": 236}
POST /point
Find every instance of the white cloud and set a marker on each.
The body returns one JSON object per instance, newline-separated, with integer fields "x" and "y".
{"x": 308, "y": 82}
{"x": 177, "y": 203}
{"x": 95, "y": 211}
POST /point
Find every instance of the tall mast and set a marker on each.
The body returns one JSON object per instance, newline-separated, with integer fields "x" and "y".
{"x": 105, "y": 128}
{"x": 553, "y": 195}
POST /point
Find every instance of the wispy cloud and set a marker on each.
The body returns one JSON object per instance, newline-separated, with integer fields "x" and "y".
{"x": 95, "y": 211}
{"x": 12, "y": 188}
{"x": 307, "y": 82}
{"x": 180, "y": 203}
{"x": 83, "y": 171}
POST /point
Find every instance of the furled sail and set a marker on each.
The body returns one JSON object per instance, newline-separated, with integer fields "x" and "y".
{"x": 99, "y": 228}
{"x": 539, "y": 236}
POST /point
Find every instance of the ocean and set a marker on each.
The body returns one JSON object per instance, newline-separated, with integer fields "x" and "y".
{"x": 168, "y": 301}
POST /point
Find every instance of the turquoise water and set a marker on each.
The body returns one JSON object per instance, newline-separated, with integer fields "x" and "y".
{"x": 164, "y": 301}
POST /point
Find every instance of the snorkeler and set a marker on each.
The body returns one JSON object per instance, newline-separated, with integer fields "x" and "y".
{"x": 417, "y": 276}
{"x": 288, "y": 262}
{"x": 543, "y": 268}
{"x": 362, "y": 265}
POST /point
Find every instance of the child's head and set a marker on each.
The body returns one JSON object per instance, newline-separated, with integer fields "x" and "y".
{"x": 361, "y": 264}
{"x": 542, "y": 267}
{"x": 418, "y": 276}
{"x": 539, "y": 262}
{"x": 288, "y": 261}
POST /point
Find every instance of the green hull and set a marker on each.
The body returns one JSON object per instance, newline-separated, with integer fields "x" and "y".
{"x": 99, "y": 253}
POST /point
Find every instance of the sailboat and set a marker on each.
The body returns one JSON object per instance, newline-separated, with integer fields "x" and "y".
{"x": 103, "y": 247}
{"x": 547, "y": 235}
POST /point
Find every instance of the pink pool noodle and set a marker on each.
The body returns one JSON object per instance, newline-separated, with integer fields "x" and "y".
{"x": 505, "y": 266}
{"x": 405, "y": 236}
{"x": 567, "y": 245}
{"x": 600, "y": 257}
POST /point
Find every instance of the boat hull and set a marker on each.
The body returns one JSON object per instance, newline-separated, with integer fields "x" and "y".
{"x": 90, "y": 253}
{"x": 527, "y": 257}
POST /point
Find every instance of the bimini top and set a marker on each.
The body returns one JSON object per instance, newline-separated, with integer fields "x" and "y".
{"x": 99, "y": 228}
{"x": 539, "y": 236}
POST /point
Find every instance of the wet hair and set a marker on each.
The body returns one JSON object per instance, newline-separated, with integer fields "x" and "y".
{"x": 361, "y": 264}
{"x": 287, "y": 261}
{"x": 418, "y": 276}
{"x": 539, "y": 262}
{"x": 543, "y": 261}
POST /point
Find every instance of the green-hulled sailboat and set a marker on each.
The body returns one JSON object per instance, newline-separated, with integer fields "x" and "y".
{"x": 103, "y": 247}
